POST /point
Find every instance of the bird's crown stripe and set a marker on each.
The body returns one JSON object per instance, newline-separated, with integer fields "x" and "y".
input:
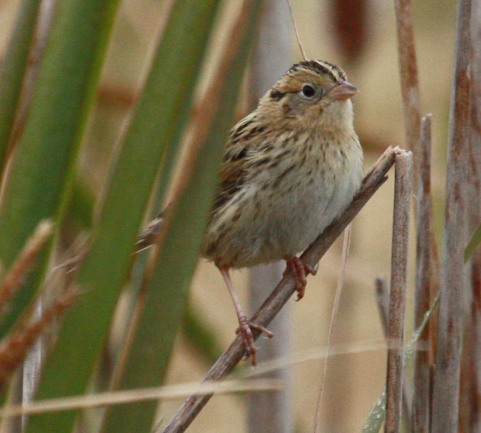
{"x": 320, "y": 66}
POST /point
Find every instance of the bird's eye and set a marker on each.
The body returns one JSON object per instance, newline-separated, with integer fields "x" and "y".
{"x": 308, "y": 91}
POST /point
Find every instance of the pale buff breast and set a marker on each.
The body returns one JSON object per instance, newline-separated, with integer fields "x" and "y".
{"x": 281, "y": 209}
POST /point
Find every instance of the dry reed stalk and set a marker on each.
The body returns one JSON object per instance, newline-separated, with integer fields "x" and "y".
{"x": 24, "y": 262}
{"x": 284, "y": 290}
{"x": 167, "y": 392}
{"x": 470, "y": 398}
{"x": 470, "y": 393}
{"x": 397, "y": 304}
{"x": 334, "y": 313}
{"x": 445, "y": 415}
{"x": 470, "y": 416}
{"x": 15, "y": 347}
{"x": 424, "y": 274}
{"x": 409, "y": 78}
{"x": 382, "y": 298}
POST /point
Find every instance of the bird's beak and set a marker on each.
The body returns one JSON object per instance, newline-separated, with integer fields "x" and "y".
{"x": 343, "y": 91}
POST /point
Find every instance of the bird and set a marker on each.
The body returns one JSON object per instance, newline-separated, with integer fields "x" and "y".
{"x": 289, "y": 168}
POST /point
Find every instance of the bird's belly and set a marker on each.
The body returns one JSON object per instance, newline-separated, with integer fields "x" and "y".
{"x": 282, "y": 221}
{"x": 298, "y": 218}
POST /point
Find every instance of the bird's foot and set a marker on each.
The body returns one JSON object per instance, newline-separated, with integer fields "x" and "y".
{"x": 245, "y": 330}
{"x": 299, "y": 270}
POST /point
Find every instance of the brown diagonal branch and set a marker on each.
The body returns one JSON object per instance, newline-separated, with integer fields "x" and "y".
{"x": 284, "y": 290}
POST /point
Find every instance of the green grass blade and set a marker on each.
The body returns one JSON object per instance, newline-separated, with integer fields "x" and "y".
{"x": 40, "y": 174}
{"x": 13, "y": 71}
{"x": 80, "y": 206}
{"x": 159, "y": 114}
{"x": 167, "y": 294}
{"x": 376, "y": 416}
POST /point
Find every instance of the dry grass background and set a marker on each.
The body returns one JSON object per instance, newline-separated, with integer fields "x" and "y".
{"x": 354, "y": 380}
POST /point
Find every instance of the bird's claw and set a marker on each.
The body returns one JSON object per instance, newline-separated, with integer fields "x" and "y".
{"x": 245, "y": 330}
{"x": 299, "y": 270}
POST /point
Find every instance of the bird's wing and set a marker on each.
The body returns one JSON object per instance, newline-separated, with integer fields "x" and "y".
{"x": 240, "y": 146}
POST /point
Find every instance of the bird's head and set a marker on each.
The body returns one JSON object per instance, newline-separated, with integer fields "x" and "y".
{"x": 312, "y": 93}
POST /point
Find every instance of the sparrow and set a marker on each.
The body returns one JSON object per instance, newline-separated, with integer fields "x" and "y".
{"x": 289, "y": 169}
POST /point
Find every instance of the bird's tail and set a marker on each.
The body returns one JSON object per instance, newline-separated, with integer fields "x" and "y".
{"x": 149, "y": 235}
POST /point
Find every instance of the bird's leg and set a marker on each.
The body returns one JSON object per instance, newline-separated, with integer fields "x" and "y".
{"x": 299, "y": 270}
{"x": 244, "y": 325}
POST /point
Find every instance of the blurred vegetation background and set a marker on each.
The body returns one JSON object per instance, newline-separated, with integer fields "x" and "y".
{"x": 359, "y": 36}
